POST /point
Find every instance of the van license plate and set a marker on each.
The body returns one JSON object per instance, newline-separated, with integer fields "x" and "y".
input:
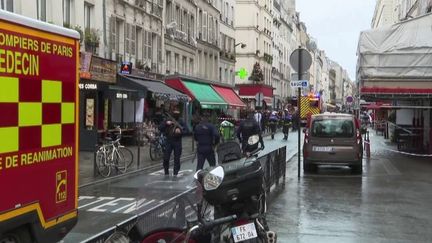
{"x": 244, "y": 232}
{"x": 322, "y": 149}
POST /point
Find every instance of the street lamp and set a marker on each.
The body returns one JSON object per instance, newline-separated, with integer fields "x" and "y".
{"x": 243, "y": 45}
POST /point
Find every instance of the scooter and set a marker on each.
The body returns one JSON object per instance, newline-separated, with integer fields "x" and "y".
{"x": 236, "y": 187}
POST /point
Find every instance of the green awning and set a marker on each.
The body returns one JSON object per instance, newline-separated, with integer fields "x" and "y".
{"x": 206, "y": 95}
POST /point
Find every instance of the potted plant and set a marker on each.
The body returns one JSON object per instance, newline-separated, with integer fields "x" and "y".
{"x": 91, "y": 39}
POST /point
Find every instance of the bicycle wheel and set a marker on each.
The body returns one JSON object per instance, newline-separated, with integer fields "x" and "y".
{"x": 124, "y": 159}
{"x": 104, "y": 168}
{"x": 155, "y": 151}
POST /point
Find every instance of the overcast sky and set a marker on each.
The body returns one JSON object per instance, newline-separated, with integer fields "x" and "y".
{"x": 336, "y": 25}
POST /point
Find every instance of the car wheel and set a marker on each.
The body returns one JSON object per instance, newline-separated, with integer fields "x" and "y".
{"x": 308, "y": 167}
{"x": 357, "y": 169}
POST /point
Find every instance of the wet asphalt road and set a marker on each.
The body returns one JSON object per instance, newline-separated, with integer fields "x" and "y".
{"x": 390, "y": 202}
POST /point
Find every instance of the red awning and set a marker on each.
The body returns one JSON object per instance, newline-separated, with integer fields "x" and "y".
{"x": 380, "y": 90}
{"x": 229, "y": 96}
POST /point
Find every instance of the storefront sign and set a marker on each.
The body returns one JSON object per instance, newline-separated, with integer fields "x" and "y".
{"x": 103, "y": 70}
{"x": 121, "y": 96}
{"x": 85, "y": 62}
{"x": 88, "y": 86}
{"x": 126, "y": 68}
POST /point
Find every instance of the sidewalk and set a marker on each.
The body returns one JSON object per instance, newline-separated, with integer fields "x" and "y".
{"x": 86, "y": 161}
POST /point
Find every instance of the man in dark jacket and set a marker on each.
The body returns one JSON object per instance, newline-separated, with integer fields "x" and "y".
{"x": 246, "y": 129}
{"x": 173, "y": 128}
{"x": 206, "y": 136}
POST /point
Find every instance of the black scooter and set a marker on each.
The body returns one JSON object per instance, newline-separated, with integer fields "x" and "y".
{"x": 236, "y": 187}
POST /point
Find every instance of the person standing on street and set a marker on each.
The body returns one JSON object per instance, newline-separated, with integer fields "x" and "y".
{"x": 273, "y": 121}
{"x": 247, "y": 128}
{"x": 207, "y": 137}
{"x": 258, "y": 119}
{"x": 286, "y": 123}
{"x": 173, "y": 128}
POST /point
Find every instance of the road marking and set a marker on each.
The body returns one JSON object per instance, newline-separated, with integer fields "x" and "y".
{"x": 180, "y": 173}
{"x": 100, "y": 199}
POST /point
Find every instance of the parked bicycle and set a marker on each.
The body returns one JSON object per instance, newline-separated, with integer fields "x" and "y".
{"x": 113, "y": 156}
{"x": 157, "y": 146}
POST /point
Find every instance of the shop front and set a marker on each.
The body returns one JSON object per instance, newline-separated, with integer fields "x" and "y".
{"x": 103, "y": 103}
{"x": 252, "y": 94}
{"x": 160, "y": 97}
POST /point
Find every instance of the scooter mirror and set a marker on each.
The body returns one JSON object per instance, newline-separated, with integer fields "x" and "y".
{"x": 254, "y": 139}
{"x": 197, "y": 174}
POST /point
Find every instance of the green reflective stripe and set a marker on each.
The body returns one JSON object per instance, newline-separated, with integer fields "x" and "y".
{"x": 205, "y": 94}
{"x": 30, "y": 114}
{"x": 51, "y": 91}
{"x": 51, "y": 135}
{"x": 9, "y": 141}
{"x": 67, "y": 113}
{"x": 9, "y": 89}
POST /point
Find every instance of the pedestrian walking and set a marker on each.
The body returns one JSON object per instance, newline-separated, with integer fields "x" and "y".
{"x": 286, "y": 123}
{"x": 259, "y": 119}
{"x": 247, "y": 128}
{"x": 273, "y": 120}
{"x": 207, "y": 137}
{"x": 174, "y": 129}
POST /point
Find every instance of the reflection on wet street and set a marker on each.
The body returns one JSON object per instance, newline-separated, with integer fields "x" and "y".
{"x": 390, "y": 202}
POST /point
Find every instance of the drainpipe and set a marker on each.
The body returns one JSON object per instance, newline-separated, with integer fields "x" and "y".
{"x": 104, "y": 29}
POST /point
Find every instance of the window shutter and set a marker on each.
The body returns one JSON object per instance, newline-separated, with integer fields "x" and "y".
{"x": 204, "y": 28}
{"x": 112, "y": 33}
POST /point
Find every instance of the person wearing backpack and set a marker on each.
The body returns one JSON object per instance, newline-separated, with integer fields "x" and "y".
{"x": 174, "y": 129}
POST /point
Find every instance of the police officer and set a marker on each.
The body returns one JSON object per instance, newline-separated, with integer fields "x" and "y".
{"x": 246, "y": 129}
{"x": 273, "y": 120}
{"x": 206, "y": 136}
{"x": 287, "y": 120}
{"x": 173, "y": 128}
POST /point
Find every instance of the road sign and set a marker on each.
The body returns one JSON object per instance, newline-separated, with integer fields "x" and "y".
{"x": 299, "y": 84}
{"x": 259, "y": 97}
{"x": 306, "y": 60}
{"x": 295, "y": 77}
{"x": 349, "y": 99}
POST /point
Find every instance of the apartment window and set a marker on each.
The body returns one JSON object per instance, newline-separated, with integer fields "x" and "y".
{"x": 204, "y": 26}
{"x": 7, "y": 5}
{"x": 184, "y": 62}
{"x": 191, "y": 66}
{"x": 216, "y": 38}
{"x": 231, "y": 77}
{"x": 88, "y": 9}
{"x": 115, "y": 30}
{"x": 232, "y": 15}
{"x": 169, "y": 15}
{"x": 139, "y": 43}
{"x": 210, "y": 28}
{"x": 147, "y": 43}
{"x": 67, "y": 12}
{"x": 178, "y": 15}
{"x": 191, "y": 27}
{"x": 168, "y": 61}
{"x": 159, "y": 48}
{"x": 130, "y": 39}
{"x": 41, "y": 10}
{"x": 176, "y": 63}
{"x": 226, "y": 12}
{"x": 199, "y": 24}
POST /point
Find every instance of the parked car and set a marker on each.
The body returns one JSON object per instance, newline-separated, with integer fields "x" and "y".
{"x": 333, "y": 139}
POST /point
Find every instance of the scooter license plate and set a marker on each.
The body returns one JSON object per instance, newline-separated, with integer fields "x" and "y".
{"x": 244, "y": 232}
